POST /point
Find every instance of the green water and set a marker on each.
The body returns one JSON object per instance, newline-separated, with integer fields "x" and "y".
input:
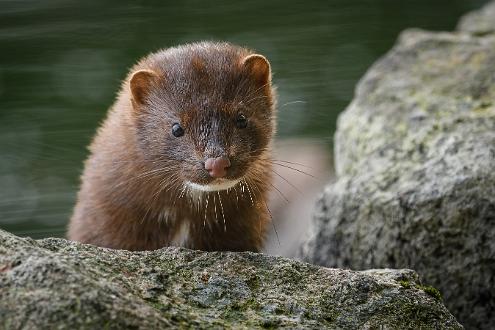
{"x": 61, "y": 63}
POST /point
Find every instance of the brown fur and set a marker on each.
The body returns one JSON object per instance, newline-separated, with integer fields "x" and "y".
{"x": 133, "y": 194}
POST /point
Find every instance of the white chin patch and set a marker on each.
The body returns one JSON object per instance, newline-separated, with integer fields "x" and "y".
{"x": 217, "y": 185}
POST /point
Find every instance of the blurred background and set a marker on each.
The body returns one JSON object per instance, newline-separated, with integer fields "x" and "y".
{"x": 61, "y": 64}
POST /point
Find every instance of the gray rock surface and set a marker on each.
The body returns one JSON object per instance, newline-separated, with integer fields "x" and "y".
{"x": 415, "y": 161}
{"x": 479, "y": 22}
{"x": 57, "y": 284}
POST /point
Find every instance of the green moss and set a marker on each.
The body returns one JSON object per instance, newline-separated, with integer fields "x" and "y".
{"x": 422, "y": 315}
{"x": 434, "y": 292}
{"x": 429, "y": 290}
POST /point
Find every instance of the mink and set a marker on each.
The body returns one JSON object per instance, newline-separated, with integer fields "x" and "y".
{"x": 183, "y": 157}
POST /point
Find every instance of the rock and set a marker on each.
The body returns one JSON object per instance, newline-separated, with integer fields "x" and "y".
{"x": 479, "y": 22}
{"x": 415, "y": 160}
{"x": 54, "y": 284}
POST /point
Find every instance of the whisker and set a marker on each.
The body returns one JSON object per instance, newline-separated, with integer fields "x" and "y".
{"x": 273, "y": 222}
{"x": 206, "y": 208}
{"x": 148, "y": 174}
{"x": 281, "y": 194}
{"x": 292, "y": 102}
{"x": 293, "y": 163}
{"x": 293, "y": 186}
{"x": 223, "y": 214}
{"x": 257, "y": 90}
{"x": 161, "y": 187}
{"x": 256, "y": 98}
{"x": 152, "y": 172}
{"x": 249, "y": 191}
{"x": 215, "y": 207}
{"x": 251, "y": 93}
{"x": 295, "y": 169}
{"x": 236, "y": 197}
{"x": 271, "y": 216}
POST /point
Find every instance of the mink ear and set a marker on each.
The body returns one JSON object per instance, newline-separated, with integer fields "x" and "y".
{"x": 141, "y": 82}
{"x": 258, "y": 68}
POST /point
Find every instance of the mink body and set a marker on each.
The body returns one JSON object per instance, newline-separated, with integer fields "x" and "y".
{"x": 183, "y": 157}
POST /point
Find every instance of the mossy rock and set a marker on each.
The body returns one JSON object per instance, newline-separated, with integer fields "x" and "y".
{"x": 415, "y": 160}
{"x": 57, "y": 284}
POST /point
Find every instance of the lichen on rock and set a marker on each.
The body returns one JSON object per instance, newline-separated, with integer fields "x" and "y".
{"x": 57, "y": 284}
{"x": 415, "y": 153}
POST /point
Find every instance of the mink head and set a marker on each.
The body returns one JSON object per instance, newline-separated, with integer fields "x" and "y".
{"x": 204, "y": 113}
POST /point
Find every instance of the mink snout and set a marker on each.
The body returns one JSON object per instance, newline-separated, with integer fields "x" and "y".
{"x": 217, "y": 167}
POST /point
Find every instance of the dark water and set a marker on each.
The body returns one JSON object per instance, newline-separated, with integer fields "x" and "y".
{"x": 61, "y": 63}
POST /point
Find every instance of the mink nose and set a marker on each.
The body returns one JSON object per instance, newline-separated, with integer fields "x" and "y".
{"x": 217, "y": 167}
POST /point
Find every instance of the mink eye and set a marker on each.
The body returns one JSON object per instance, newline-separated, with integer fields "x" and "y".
{"x": 241, "y": 121}
{"x": 177, "y": 130}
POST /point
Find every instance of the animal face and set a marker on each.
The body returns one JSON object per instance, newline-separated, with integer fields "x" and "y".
{"x": 204, "y": 113}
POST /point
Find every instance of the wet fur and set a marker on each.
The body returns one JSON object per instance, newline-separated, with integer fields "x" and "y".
{"x": 133, "y": 194}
